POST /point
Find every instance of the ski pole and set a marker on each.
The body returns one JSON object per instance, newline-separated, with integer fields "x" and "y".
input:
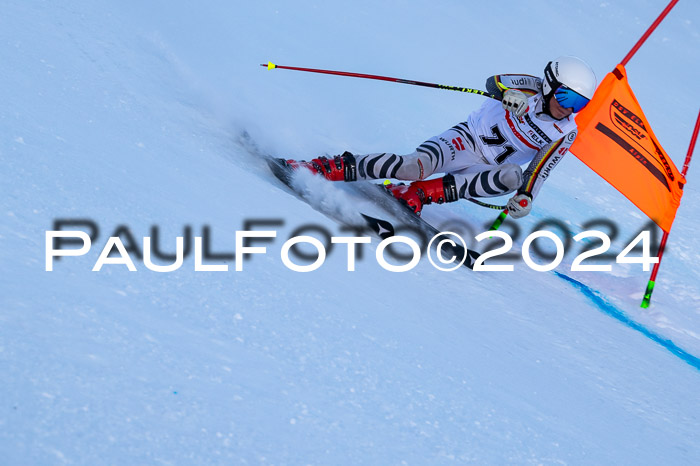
{"x": 499, "y": 220}
{"x": 272, "y": 66}
{"x": 484, "y": 204}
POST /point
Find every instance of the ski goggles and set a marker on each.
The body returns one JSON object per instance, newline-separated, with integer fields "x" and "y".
{"x": 569, "y": 98}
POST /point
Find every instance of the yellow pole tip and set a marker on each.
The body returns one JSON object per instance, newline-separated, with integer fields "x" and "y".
{"x": 271, "y": 66}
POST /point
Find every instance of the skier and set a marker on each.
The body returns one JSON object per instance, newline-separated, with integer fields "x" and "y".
{"x": 533, "y": 123}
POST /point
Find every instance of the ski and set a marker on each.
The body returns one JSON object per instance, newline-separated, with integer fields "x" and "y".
{"x": 281, "y": 170}
{"x": 385, "y": 200}
{"x": 385, "y": 229}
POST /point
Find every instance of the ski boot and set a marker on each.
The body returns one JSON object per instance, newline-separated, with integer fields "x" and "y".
{"x": 339, "y": 168}
{"x": 420, "y": 193}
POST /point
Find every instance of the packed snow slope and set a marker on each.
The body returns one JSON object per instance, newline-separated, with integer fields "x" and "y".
{"x": 135, "y": 114}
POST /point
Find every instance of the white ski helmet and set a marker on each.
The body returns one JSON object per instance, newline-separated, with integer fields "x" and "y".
{"x": 573, "y": 73}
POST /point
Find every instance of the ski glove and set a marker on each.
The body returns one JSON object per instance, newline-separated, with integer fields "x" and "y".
{"x": 519, "y": 205}
{"x": 515, "y": 101}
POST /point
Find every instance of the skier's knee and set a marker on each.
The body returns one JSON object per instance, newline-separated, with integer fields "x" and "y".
{"x": 415, "y": 166}
{"x": 511, "y": 176}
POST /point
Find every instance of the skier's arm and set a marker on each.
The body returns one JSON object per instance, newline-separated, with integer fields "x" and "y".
{"x": 543, "y": 164}
{"x": 526, "y": 83}
{"x": 536, "y": 173}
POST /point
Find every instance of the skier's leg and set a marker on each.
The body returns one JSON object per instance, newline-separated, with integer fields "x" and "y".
{"x": 413, "y": 166}
{"x": 488, "y": 180}
{"x": 452, "y": 150}
{"x": 348, "y": 167}
{"x": 449, "y": 151}
{"x": 476, "y": 181}
{"x": 455, "y": 153}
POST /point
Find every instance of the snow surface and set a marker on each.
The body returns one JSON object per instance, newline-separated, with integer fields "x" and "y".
{"x": 133, "y": 113}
